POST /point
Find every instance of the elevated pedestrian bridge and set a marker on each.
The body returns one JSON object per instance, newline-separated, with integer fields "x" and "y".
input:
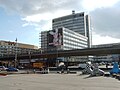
{"x": 67, "y": 53}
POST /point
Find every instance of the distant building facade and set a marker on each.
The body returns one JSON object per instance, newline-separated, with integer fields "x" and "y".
{"x": 8, "y": 48}
{"x": 107, "y": 58}
{"x": 77, "y": 22}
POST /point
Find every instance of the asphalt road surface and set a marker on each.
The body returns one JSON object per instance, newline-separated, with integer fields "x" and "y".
{"x": 57, "y": 82}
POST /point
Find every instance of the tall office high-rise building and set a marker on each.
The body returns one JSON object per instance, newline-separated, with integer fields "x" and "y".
{"x": 77, "y": 22}
{"x": 63, "y": 39}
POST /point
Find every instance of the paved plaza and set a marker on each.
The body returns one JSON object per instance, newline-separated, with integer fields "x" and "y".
{"x": 57, "y": 82}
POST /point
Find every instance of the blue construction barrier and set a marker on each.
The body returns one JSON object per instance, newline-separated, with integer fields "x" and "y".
{"x": 115, "y": 69}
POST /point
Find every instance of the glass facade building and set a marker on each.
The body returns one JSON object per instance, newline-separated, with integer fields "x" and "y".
{"x": 69, "y": 40}
{"x": 63, "y": 39}
{"x": 73, "y": 40}
{"x": 68, "y": 33}
{"x": 77, "y": 22}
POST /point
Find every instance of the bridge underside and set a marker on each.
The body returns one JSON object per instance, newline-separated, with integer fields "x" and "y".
{"x": 68, "y": 53}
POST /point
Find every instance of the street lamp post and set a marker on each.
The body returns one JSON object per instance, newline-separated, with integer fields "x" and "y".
{"x": 29, "y": 52}
{"x": 16, "y": 53}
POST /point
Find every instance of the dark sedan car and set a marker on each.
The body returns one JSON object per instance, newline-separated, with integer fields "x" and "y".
{"x": 12, "y": 69}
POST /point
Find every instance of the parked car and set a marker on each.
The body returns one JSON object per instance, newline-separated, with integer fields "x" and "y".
{"x": 12, "y": 69}
{"x": 2, "y": 68}
{"x": 82, "y": 65}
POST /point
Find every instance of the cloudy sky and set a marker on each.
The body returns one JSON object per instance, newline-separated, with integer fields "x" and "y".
{"x": 25, "y": 19}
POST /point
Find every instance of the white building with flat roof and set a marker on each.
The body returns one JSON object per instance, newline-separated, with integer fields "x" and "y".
{"x": 77, "y": 22}
{"x": 62, "y": 39}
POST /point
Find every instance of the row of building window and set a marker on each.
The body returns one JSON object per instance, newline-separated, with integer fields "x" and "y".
{"x": 80, "y": 15}
{"x": 70, "y": 21}
{"x": 69, "y": 25}
{"x": 79, "y": 45}
{"x": 70, "y": 48}
{"x": 67, "y": 31}
{"x": 72, "y": 40}
{"x": 74, "y": 37}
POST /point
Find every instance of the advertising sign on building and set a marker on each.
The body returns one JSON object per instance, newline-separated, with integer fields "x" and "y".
{"x": 55, "y": 37}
